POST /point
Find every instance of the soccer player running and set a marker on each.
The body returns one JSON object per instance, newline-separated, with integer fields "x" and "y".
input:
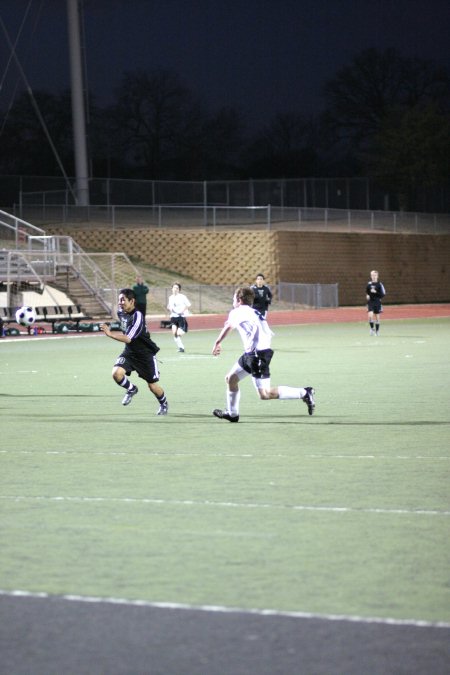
{"x": 139, "y": 353}
{"x": 255, "y": 361}
{"x": 178, "y": 307}
{"x": 375, "y": 291}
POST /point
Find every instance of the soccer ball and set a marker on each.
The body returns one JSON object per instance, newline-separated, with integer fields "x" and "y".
{"x": 26, "y": 316}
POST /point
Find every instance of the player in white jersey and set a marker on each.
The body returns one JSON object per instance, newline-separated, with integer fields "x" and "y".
{"x": 178, "y": 307}
{"x": 255, "y": 361}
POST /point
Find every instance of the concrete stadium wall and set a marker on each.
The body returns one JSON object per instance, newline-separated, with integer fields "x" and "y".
{"x": 413, "y": 268}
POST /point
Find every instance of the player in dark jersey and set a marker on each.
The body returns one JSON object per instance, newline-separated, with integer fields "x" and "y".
{"x": 263, "y": 295}
{"x": 139, "y": 354}
{"x": 374, "y": 293}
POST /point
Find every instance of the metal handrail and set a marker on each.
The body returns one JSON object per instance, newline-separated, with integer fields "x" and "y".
{"x": 48, "y": 253}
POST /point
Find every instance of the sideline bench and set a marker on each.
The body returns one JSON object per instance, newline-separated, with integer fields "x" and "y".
{"x": 69, "y": 315}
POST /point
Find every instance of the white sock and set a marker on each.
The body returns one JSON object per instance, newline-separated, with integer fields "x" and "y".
{"x": 178, "y": 342}
{"x": 233, "y": 398}
{"x": 290, "y": 392}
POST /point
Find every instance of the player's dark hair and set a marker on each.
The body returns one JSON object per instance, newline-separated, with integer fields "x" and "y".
{"x": 128, "y": 293}
{"x": 260, "y": 274}
{"x": 245, "y": 295}
{"x": 177, "y": 283}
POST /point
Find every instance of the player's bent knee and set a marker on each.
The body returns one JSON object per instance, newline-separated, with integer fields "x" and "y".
{"x": 118, "y": 373}
{"x": 232, "y": 381}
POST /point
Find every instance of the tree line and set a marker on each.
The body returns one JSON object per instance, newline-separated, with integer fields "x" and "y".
{"x": 384, "y": 116}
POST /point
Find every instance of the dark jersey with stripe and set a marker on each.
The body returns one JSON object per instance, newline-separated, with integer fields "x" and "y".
{"x": 133, "y": 325}
{"x": 375, "y": 290}
{"x": 263, "y": 298}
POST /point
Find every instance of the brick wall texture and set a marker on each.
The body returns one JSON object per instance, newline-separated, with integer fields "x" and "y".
{"x": 413, "y": 268}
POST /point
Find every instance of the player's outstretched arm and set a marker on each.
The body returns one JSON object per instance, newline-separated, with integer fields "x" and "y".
{"x": 120, "y": 337}
{"x": 223, "y": 333}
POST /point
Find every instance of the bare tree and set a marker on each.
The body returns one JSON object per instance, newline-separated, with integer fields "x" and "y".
{"x": 221, "y": 144}
{"x": 152, "y": 116}
{"x": 25, "y": 147}
{"x": 388, "y": 116}
{"x": 362, "y": 95}
{"x": 412, "y": 153}
{"x": 284, "y": 148}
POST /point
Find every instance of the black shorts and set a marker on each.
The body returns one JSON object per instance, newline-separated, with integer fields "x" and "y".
{"x": 146, "y": 367}
{"x": 374, "y": 306}
{"x": 180, "y": 322}
{"x": 257, "y": 364}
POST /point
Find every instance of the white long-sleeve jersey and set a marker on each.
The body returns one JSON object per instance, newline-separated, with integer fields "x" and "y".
{"x": 253, "y": 329}
{"x": 178, "y": 305}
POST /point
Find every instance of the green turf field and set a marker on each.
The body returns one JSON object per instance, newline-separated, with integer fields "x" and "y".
{"x": 346, "y": 512}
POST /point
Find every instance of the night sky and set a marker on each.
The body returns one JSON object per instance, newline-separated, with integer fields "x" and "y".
{"x": 258, "y": 56}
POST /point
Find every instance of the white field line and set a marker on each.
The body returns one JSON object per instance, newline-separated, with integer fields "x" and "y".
{"x": 65, "y": 336}
{"x": 244, "y": 455}
{"x": 229, "y": 610}
{"x": 235, "y": 505}
{"x": 53, "y": 336}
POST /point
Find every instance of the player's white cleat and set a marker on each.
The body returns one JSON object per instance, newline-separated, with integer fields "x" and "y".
{"x": 129, "y": 395}
{"x": 163, "y": 409}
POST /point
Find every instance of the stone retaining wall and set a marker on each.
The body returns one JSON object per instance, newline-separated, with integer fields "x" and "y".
{"x": 414, "y": 268}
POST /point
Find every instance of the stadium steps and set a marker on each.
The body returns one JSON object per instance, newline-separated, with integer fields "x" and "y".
{"x": 68, "y": 281}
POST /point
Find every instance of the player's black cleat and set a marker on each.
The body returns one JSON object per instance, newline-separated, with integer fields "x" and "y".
{"x": 163, "y": 409}
{"x": 225, "y": 415}
{"x": 129, "y": 395}
{"x": 309, "y": 399}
